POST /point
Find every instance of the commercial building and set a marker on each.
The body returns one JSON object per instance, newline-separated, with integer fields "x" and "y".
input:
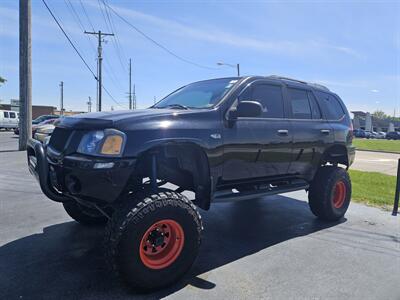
{"x": 364, "y": 120}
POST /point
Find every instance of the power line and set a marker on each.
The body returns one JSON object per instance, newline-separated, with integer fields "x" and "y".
{"x": 78, "y": 53}
{"x": 118, "y": 47}
{"x": 69, "y": 40}
{"x": 108, "y": 67}
{"x": 86, "y": 14}
{"x": 155, "y": 42}
{"x": 105, "y": 15}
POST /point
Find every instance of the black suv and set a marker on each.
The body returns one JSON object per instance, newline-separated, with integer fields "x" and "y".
{"x": 226, "y": 139}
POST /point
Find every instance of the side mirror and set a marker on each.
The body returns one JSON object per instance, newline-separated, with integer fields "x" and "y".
{"x": 248, "y": 109}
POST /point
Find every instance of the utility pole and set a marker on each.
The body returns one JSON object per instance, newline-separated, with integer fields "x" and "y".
{"x": 25, "y": 74}
{"x": 62, "y": 98}
{"x": 130, "y": 85}
{"x": 99, "y": 61}
{"x": 89, "y": 103}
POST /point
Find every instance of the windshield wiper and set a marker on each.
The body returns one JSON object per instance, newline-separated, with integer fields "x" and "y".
{"x": 174, "y": 105}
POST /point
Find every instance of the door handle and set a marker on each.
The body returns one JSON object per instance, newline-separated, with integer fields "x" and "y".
{"x": 325, "y": 131}
{"x": 283, "y": 131}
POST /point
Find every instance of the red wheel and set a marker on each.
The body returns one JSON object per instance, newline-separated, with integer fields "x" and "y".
{"x": 161, "y": 244}
{"x": 153, "y": 241}
{"x": 339, "y": 194}
{"x": 330, "y": 193}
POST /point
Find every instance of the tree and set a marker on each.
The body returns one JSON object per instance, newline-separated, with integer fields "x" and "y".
{"x": 379, "y": 114}
{"x": 2, "y": 80}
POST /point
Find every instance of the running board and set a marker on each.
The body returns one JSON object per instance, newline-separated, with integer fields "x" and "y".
{"x": 229, "y": 195}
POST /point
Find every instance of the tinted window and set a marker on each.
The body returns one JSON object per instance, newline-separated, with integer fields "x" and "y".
{"x": 202, "y": 94}
{"x": 5, "y": 114}
{"x": 333, "y": 109}
{"x": 299, "y": 103}
{"x": 316, "y": 113}
{"x": 12, "y": 115}
{"x": 270, "y": 97}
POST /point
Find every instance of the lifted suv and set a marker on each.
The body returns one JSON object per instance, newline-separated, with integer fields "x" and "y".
{"x": 225, "y": 139}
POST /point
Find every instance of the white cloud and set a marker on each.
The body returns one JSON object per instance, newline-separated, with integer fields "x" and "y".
{"x": 375, "y": 91}
{"x": 216, "y": 35}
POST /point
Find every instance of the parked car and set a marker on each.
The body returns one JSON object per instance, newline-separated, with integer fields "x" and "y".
{"x": 44, "y": 131}
{"x": 374, "y": 135}
{"x": 44, "y": 118}
{"x": 8, "y": 119}
{"x": 393, "y": 135}
{"x": 47, "y": 122}
{"x": 368, "y": 134}
{"x": 381, "y": 135}
{"x": 226, "y": 139}
{"x": 35, "y": 126}
{"x": 360, "y": 133}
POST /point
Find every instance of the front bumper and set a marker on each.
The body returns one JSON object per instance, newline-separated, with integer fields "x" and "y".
{"x": 38, "y": 166}
{"x": 63, "y": 177}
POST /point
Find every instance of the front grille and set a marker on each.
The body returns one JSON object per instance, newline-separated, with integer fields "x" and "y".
{"x": 59, "y": 138}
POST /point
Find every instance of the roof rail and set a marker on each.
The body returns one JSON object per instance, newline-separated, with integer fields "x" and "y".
{"x": 317, "y": 85}
{"x": 287, "y": 78}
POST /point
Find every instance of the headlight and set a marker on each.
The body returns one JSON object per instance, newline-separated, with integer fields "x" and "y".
{"x": 108, "y": 142}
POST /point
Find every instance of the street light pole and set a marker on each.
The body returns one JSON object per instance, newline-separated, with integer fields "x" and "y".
{"x": 61, "y": 98}
{"x": 237, "y": 66}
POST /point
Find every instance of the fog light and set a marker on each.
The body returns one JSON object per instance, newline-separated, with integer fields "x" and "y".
{"x": 107, "y": 165}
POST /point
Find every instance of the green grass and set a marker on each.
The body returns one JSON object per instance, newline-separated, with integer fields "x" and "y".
{"x": 373, "y": 188}
{"x": 377, "y": 145}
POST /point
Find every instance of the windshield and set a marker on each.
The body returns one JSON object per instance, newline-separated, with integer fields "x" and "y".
{"x": 203, "y": 94}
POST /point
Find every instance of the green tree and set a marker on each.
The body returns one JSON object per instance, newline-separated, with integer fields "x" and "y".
{"x": 2, "y": 80}
{"x": 379, "y": 114}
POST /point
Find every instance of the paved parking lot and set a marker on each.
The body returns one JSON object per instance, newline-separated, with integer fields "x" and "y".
{"x": 263, "y": 248}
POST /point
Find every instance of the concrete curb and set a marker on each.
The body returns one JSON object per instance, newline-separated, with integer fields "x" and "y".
{"x": 378, "y": 151}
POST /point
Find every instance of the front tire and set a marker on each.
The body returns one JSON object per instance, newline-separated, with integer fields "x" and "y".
{"x": 330, "y": 193}
{"x": 153, "y": 241}
{"x": 84, "y": 215}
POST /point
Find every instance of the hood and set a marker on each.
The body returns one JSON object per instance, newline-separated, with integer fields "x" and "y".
{"x": 98, "y": 120}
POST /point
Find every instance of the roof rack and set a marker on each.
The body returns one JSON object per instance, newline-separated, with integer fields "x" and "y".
{"x": 317, "y": 85}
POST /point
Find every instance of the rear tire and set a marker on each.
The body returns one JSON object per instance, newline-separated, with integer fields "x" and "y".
{"x": 153, "y": 241}
{"x": 84, "y": 215}
{"x": 330, "y": 193}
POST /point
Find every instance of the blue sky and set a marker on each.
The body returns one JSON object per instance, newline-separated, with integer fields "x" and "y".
{"x": 351, "y": 46}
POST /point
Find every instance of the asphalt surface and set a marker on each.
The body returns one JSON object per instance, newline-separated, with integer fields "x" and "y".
{"x": 263, "y": 248}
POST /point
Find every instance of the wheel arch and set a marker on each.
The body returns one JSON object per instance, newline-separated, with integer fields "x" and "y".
{"x": 336, "y": 154}
{"x": 183, "y": 163}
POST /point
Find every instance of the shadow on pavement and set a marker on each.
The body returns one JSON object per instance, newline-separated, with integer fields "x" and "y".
{"x": 66, "y": 260}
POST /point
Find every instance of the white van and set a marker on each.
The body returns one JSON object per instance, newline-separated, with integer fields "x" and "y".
{"x": 9, "y": 119}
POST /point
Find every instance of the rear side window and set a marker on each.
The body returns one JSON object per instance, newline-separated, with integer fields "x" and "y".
{"x": 270, "y": 97}
{"x": 316, "y": 113}
{"x": 299, "y": 104}
{"x": 5, "y": 114}
{"x": 333, "y": 109}
{"x": 12, "y": 115}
